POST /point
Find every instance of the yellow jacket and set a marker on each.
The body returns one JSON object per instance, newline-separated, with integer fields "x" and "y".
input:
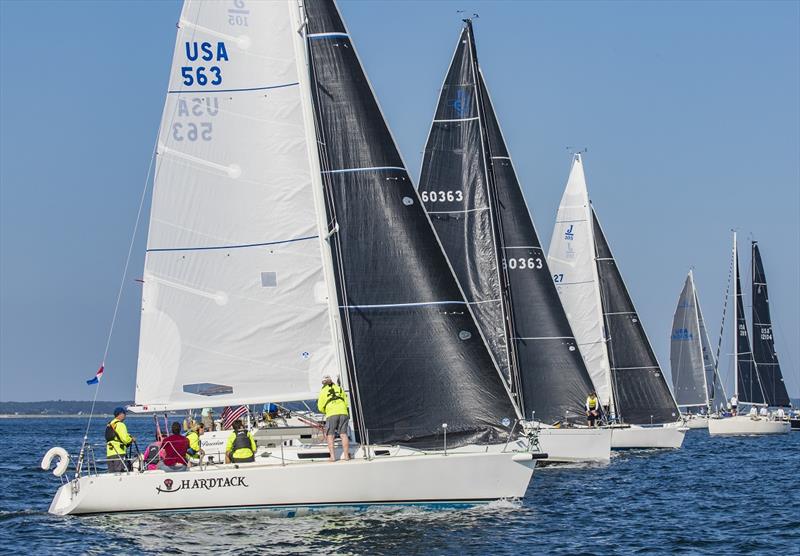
{"x": 332, "y": 401}
{"x": 194, "y": 444}
{"x": 115, "y": 447}
{"x": 245, "y": 452}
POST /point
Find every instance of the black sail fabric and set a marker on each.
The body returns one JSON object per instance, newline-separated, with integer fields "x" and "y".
{"x": 769, "y": 369}
{"x": 641, "y": 394}
{"x": 453, "y": 185}
{"x": 554, "y": 381}
{"x": 416, "y": 358}
{"x": 747, "y": 380}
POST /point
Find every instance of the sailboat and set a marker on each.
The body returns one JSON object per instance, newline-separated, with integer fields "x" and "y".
{"x": 695, "y": 380}
{"x": 610, "y": 334}
{"x": 472, "y": 194}
{"x": 758, "y": 381}
{"x": 282, "y": 217}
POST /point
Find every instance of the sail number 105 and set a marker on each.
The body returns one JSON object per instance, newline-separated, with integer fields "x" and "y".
{"x": 441, "y": 196}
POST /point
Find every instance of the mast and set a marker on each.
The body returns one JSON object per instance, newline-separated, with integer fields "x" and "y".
{"x": 737, "y": 297}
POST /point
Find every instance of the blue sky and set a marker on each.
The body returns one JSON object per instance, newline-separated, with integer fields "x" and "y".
{"x": 689, "y": 110}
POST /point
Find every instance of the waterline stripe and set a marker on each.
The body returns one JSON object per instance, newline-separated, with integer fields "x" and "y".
{"x": 234, "y": 90}
{"x": 402, "y": 305}
{"x": 241, "y": 246}
{"x": 366, "y": 169}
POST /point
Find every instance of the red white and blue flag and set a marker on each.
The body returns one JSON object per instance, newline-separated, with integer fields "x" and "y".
{"x": 97, "y": 376}
{"x": 230, "y": 415}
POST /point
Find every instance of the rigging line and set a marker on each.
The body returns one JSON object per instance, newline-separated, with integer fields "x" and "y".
{"x": 127, "y": 265}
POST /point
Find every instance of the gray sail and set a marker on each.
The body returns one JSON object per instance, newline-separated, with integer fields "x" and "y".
{"x": 769, "y": 368}
{"x": 686, "y": 350}
{"x": 716, "y": 392}
{"x": 415, "y": 357}
{"x": 641, "y": 394}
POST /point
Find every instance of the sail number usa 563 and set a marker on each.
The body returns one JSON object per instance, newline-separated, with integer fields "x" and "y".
{"x": 209, "y": 73}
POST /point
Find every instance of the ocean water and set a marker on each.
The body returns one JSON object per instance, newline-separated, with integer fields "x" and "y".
{"x": 714, "y": 496}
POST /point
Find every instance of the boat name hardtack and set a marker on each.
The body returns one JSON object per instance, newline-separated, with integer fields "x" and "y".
{"x": 208, "y": 484}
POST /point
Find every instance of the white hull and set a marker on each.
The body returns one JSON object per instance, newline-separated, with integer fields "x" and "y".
{"x": 410, "y": 478}
{"x": 697, "y": 422}
{"x": 744, "y": 425}
{"x": 670, "y": 435}
{"x": 570, "y": 445}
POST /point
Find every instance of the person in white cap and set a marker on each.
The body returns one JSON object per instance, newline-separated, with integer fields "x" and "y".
{"x": 332, "y": 402}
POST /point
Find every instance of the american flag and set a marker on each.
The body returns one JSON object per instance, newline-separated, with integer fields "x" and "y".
{"x": 230, "y": 415}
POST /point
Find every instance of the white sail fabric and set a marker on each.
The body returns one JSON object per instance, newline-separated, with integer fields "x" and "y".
{"x": 572, "y": 262}
{"x": 686, "y": 351}
{"x": 714, "y": 388}
{"x": 235, "y": 304}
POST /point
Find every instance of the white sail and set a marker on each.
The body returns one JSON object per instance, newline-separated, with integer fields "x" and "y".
{"x": 572, "y": 262}
{"x": 714, "y": 387}
{"x": 235, "y": 304}
{"x": 686, "y": 350}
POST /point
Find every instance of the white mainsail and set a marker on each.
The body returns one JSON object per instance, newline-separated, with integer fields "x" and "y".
{"x": 235, "y": 306}
{"x": 686, "y": 350}
{"x": 572, "y": 262}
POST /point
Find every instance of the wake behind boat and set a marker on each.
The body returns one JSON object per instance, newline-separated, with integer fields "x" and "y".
{"x": 282, "y": 216}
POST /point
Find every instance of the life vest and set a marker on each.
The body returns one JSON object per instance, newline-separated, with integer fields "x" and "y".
{"x": 242, "y": 447}
{"x": 335, "y": 403}
{"x": 194, "y": 444}
{"x": 592, "y": 403}
{"x": 114, "y": 445}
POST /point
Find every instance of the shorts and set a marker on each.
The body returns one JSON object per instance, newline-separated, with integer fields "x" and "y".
{"x": 117, "y": 465}
{"x": 336, "y": 424}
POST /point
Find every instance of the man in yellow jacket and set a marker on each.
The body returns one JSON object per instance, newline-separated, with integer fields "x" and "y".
{"x": 117, "y": 441}
{"x": 241, "y": 447}
{"x": 195, "y": 451}
{"x": 332, "y": 402}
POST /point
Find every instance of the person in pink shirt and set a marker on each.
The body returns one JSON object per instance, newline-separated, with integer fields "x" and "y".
{"x": 173, "y": 450}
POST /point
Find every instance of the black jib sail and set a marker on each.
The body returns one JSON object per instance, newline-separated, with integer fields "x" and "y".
{"x": 416, "y": 358}
{"x": 641, "y": 394}
{"x": 748, "y": 383}
{"x": 468, "y": 153}
{"x": 769, "y": 369}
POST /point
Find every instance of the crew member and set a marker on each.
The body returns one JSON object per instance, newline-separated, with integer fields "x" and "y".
{"x": 174, "y": 449}
{"x": 592, "y": 409}
{"x": 195, "y": 451}
{"x": 241, "y": 447}
{"x": 734, "y": 405}
{"x": 117, "y": 441}
{"x": 763, "y": 412}
{"x": 332, "y": 402}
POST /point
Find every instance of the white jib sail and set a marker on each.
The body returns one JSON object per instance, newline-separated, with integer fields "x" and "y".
{"x": 234, "y": 303}
{"x": 572, "y": 261}
{"x": 686, "y": 351}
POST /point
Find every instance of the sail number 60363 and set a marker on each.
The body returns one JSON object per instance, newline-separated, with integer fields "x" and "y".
{"x": 441, "y": 196}
{"x": 523, "y": 263}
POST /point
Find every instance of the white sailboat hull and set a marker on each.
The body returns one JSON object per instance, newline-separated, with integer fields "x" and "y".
{"x": 418, "y": 478}
{"x": 745, "y": 425}
{"x": 697, "y": 422}
{"x": 575, "y": 445}
{"x": 670, "y": 435}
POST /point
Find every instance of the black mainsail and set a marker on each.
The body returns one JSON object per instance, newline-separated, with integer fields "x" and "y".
{"x": 748, "y": 383}
{"x": 489, "y": 236}
{"x": 416, "y": 358}
{"x": 766, "y": 360}
{"x": 641, "y": 394}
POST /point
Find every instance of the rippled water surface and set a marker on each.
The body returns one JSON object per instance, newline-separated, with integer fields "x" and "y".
{"x": 715, "y": 496}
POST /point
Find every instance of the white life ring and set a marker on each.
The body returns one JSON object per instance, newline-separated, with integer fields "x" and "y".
{"x": 63, "y": 460}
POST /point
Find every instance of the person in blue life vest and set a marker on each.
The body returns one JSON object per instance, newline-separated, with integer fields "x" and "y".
{"x": 241, "y": 447}
{"x": 592, "y": 409}
{"x": 332, "y": 402}
{"x": 117, "y": 442}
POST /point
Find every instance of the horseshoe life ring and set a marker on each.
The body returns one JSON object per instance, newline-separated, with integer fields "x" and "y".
{"x": 63, "y": 460}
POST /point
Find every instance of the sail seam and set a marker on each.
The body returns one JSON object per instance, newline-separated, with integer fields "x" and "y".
{"x": 622, "y": 313}
{"x": 634, "y": 368}
{"x": 455, "y": 120}
{"x": 240, "y": 246}
{"x": 364, "y": 169}
{"x": 327, "y": 35}
{"x": 234, "y": 90}
{"x": 456, "y": 211}
{"x": 544, "y": 338}
{"x": 522, "y": 247}
{"x": 389, "y": 305}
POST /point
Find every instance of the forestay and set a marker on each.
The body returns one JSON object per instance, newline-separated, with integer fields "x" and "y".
{"x": 766, "y": 359}
{"x": 234, "y": 302}
{"x": 572, "y": 263}
{"x": 416, "y": 357}
{"x": 686, "y": 350}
